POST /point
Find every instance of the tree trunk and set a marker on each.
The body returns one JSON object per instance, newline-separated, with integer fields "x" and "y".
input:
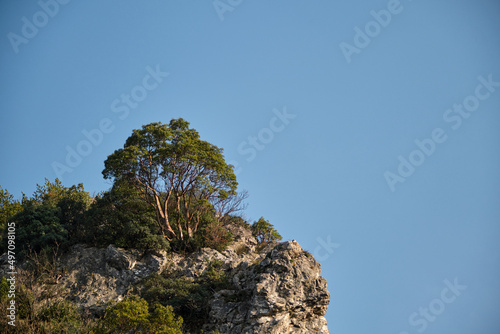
{"x": 179, "y": 226}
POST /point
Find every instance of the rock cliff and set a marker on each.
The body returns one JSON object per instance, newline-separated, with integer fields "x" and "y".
{"x": 273, "y": 289}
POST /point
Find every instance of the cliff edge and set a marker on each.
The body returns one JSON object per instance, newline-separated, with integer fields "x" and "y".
{"x": 276, "y": 288}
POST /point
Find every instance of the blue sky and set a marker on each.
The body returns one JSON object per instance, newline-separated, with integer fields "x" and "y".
{"x": 317, "y": 103}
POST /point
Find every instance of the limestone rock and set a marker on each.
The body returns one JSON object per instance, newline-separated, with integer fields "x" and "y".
{"x": 274, "y": 289}
{"x": 284, "y": 293}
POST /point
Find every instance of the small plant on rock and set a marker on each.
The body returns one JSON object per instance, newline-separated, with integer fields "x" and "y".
{"x": 264, "y": 231}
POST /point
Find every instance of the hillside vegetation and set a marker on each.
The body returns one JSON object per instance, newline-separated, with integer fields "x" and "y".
{"x": 172, "y": 192}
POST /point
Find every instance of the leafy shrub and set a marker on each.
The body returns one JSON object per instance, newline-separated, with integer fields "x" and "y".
{"x": 215, "y": 236}
{"x": 188, "y": 297}
{"x": 61, "y": 317}
{"x": 237, "y": 220}
{"x": 129, "y": 315}
{"x": 264, "y": 231}
{"x": 242, "y": 249}
{"x": 121, "y": 217}
{"x": 24, "y": 303}
{"x": 4, "y": 289}
{"x": 72, "y": 203}
{"x": 39, "y": 227}
{"x": 164, "y": 320}
{"x": 132, "y": 315}
{"x": 52, "y": 216}
{"x": 211, "y": 233}
{"x": 215, "y": 275}
{"x": 8, "y": 208}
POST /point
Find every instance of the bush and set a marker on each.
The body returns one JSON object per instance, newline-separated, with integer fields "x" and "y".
{"x": 121, "y": 217}
{"x": 4, "y": 289}
{"x": 215, "y": 236}
{"x": 39, "y": 227}
{"x": 164, "y": 320}
{"x": 211, "y": 233}
{"x": 61, "y": 317}
{"x": 24, "y": 303}
{"x": 189, "y": 298}
{"x": 72, "y": 204}
{"x": 52, "y": 216}
{"x": 264, "y": 231}
{"x": 132, "y": 315}
{"x": 237, "y": 220}
{"x": 8, "y": 208}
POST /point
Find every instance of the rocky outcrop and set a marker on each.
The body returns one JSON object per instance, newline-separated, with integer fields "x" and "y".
{"x": 283, "y": 293}
{"x": 96, "y": 276}
{"x": 274, "y": 289}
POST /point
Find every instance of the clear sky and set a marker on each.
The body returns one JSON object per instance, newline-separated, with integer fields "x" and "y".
{"x": 366, "y": 130}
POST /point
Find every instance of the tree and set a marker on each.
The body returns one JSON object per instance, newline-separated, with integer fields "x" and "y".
{"x": 230, "y": 207}
{"x": 8, "y": 208}
{"x": 38, "y": 228}
{"x": 264, "y": 231}
{"x": 119, "y": 216}
{"x": 177, "y": 173}
{"x": 71, "y": 202}
{"x": 52, "y": 216}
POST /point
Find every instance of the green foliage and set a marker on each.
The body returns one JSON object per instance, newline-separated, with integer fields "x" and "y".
{"x": 174, "y": 170}
{"x": 8, "y": 208}
{"x": 4, "y": 289}
{"x": 211, "y": 234}
{"x": 24, "y": 303}
{"x": 170, "y": 189}
{"x": 52, "y": 216}
{"x": 264, "y": 231}
{"x": 39, "y": 227}
{"x": 132, "y": 315}
{"x": 121, "y": 217}
{"x": 56, "y": 215}
{"x": 164, "y": 320}
{"x": 61, "y": 317}
{"x": 72, "y": 203}
{"x": 238, "y": 221}
{"x": 215, "y": 274}
{"x": 215, "y": 236}
{"x": 169, "y": 185}
{"x": 188, "y": 297}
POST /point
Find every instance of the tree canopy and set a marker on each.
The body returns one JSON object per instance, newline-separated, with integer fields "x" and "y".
{"x": 8, "y": 208}
{"x": 52, "y": 216}
{"x": 176, "y": 172}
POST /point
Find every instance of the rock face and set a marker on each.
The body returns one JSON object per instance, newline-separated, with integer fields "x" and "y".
{"x": 96, "y": 276}
{"x": 284, "y": 294}
{"x": 277, "y": 289}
